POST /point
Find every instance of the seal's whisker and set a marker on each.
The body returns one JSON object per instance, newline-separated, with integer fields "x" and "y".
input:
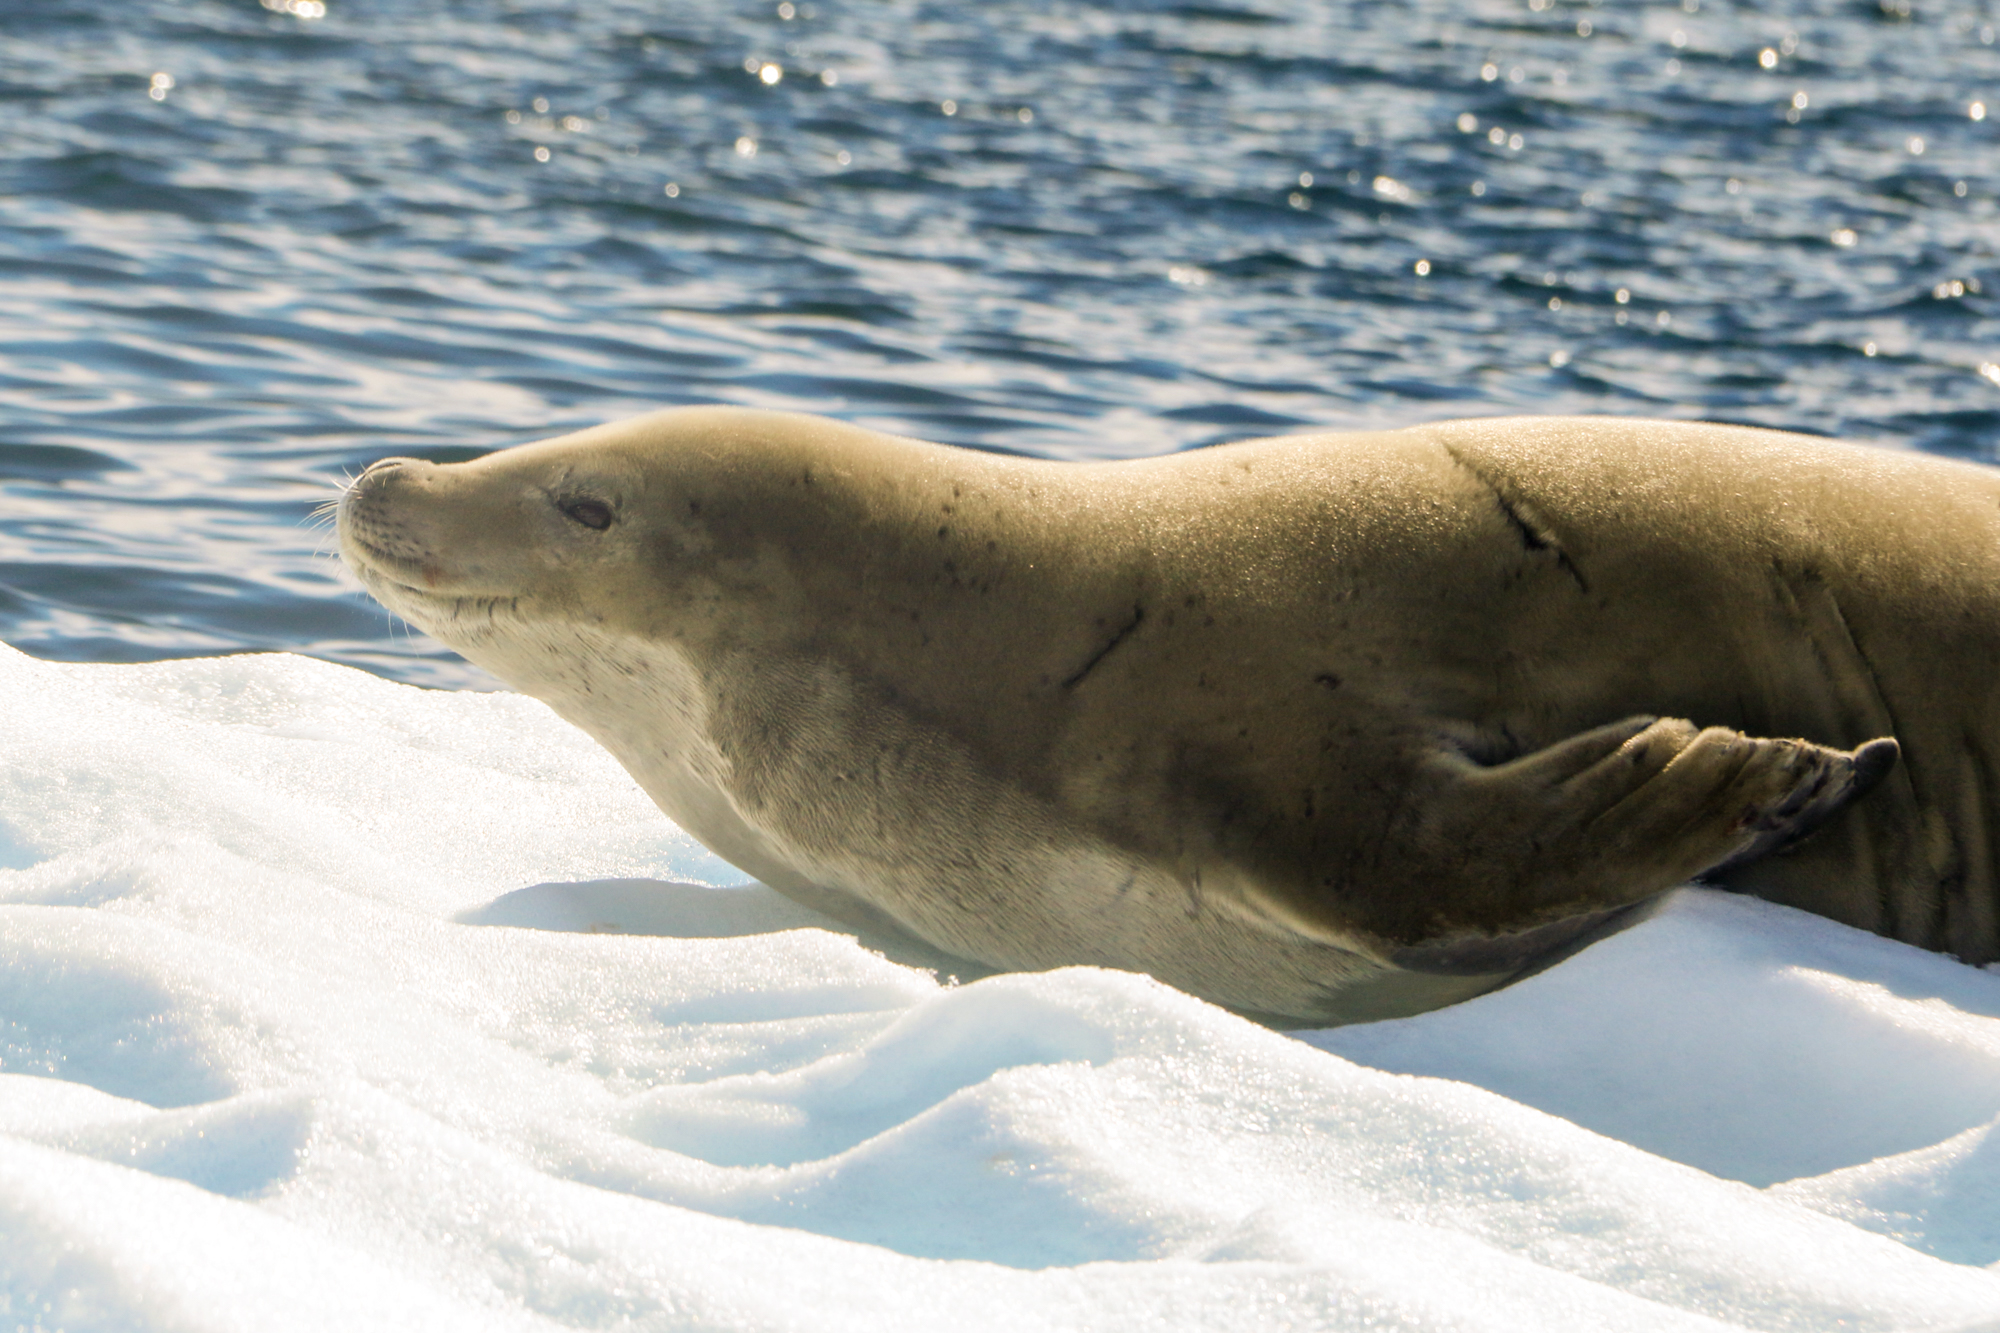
{"x": 324, "y": 517}
{"x": 324, "y": 522}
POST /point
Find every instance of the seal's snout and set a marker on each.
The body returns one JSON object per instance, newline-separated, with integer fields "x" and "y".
{"x": 422, "y": 536}
{"x": 362, "y": 503}
{"x": 383, "y": 465}
{"x": 385, "y": 485}
{"x": 367, "y": 490}
{"x": 387, "y": 473}
{"x": 379, "y": 535}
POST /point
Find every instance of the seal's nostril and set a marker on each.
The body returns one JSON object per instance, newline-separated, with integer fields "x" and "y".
{"x": 384, "y": 465}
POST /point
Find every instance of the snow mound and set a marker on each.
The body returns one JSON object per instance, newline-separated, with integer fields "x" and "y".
{"x": 329, "y": 1002}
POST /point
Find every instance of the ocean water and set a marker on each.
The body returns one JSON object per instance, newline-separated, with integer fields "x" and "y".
{"x": 246, "y": 247}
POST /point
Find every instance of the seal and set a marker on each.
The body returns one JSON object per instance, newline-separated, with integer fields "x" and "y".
{"x": 1322, "y": 728}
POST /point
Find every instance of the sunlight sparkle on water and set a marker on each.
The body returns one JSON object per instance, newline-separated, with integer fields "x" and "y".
{"x": 1176, "y": 155}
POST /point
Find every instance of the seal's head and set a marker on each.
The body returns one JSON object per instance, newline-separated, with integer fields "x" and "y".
{"x": 635, "y": 533}
{"x": 479, "y": 553}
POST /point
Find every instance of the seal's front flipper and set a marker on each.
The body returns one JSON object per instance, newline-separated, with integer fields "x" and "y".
{"x": 1609, "y": 817}
{"x": 1721, "y": 799}
{"x": 1840, "y": 784}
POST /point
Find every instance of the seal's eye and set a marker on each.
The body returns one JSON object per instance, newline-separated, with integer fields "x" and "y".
{"x": 591, "y": 513}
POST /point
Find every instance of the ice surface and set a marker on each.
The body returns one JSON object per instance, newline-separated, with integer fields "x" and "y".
{"x": 331, "y": 1003}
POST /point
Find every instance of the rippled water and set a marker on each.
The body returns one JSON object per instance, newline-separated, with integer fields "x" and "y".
{"x": 246, "y": 249}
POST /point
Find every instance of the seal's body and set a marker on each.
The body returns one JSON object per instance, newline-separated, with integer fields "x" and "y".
{"x": 1323, "y": 727}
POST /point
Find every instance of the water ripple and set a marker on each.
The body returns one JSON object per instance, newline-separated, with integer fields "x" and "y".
{"x": 246, "y": 253}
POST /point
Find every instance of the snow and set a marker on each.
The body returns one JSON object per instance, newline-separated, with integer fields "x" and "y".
{"x": 327, "y": 1002}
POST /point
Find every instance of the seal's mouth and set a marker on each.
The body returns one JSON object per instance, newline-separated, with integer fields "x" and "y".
{"x": 409, "y": 587}
{"x": 458, "y": 617}
{"x": 378, "y": 567}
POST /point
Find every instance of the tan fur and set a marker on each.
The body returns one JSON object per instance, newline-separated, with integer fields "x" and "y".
{"x": 1323, "y": 727}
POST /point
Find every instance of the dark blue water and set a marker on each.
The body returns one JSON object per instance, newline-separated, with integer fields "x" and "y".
{"x": 244, "y": 250}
